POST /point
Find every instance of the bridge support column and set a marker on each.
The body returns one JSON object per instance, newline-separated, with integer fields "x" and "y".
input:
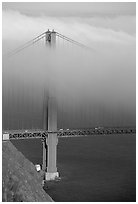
{"x": 45, "y": 127}
{"x": 44, "y": 155}
{"x": 52, "y": 141}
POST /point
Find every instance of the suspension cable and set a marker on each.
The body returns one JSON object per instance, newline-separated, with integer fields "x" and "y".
{"x": 73, "y": 41}
{"x": 41, "y": 36}
{"x": 27, "y": 44}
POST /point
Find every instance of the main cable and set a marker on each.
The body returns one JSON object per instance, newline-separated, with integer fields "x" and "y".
{"x": 73, "y": 41}
{"x": 27, "y": 44}
{"x": 39, "y": 37}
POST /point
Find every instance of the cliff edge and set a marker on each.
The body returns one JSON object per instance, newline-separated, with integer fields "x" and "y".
{"x": 20, "y": 180}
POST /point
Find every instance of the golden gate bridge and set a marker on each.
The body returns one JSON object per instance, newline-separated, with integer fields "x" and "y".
{"x": 50, "y": 133}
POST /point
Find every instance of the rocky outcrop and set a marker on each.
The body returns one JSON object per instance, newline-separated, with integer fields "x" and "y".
{"x": 20, "y": 180}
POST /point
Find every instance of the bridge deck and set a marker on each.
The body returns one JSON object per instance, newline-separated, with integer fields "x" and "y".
{"x": 28, "y": 134}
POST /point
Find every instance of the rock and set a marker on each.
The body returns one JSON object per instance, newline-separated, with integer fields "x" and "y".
{"x": 20, "y": 181}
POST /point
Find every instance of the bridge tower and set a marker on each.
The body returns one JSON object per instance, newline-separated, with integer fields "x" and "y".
{"x": 45, "y": 127}
{"x": 50, "y": 122}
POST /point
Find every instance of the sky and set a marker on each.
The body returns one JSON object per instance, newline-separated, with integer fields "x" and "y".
{"x": 85, "y": 9}
{"x": 105, "y": 78}
{"x": 115, "y": 19}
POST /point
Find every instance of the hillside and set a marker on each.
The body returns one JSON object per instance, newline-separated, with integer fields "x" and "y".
{"x": 20, "y": 181}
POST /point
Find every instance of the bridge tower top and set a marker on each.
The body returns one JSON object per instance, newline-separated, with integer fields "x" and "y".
{"x": 51, "y": 37}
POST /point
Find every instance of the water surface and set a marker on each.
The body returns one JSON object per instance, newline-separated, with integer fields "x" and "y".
{"x": 92, "y": 169}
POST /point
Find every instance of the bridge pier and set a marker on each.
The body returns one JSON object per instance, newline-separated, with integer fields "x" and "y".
{"x": 52, "y": 142}
{"x": 45, "y": 127}
{"x": 44, "y": 165}
{"x": 50, "y": 154}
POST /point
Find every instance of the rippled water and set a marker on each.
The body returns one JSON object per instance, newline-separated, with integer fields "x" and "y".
{"x": 93, "y": 168}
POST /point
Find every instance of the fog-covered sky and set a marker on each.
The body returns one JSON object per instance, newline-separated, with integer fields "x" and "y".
{"x": 106, "y": 77}
{"x": 98, "y": 21}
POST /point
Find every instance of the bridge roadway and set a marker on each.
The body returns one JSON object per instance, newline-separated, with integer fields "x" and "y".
{"x": 29, "y": 134}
